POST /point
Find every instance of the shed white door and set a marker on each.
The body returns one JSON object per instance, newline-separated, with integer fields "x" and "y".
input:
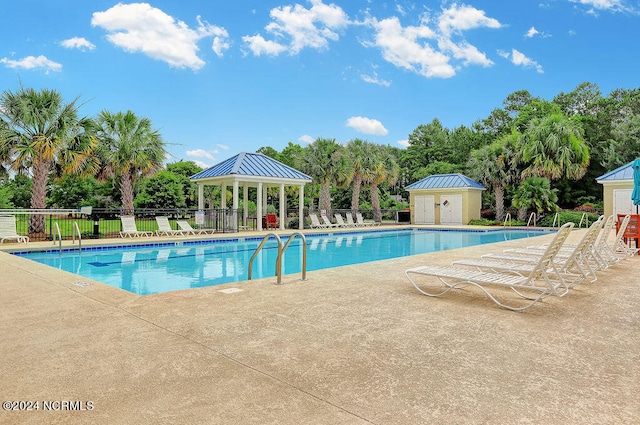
{"x": 450, "y": 209}
{"x": 622, "y": 203}
{"x": 425, "y": 209}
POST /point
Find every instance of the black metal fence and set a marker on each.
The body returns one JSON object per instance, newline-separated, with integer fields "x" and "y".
{"x": 105, "y": 223}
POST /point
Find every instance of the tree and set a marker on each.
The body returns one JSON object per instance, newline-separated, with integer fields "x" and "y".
{"x": 382, "y": 169}
{"x": 130, "y": 148}
{"x": 162, "y": 190}
{"x": 183, "y": 170}
{"x": 326, "y": 162}
{"x": 357, "y": 151}
{"x": 535, "y": 193}
{"x": 39, "y": 131}
{"x": 73, "y": 192}
{"x": 427, "y": 144}
{"x": 553, "y": 147}
{"x": 495, "y": 166}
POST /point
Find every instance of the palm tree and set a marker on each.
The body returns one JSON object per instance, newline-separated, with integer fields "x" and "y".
{"x": 381, "y": 168}
{"x": 494, "y": 165}
{"x": 357, "y": 151}
{"x": 553, "y": 147}
{"x": 130, "y": 148}
{"x": 325, "y": 161}
{"x": 40, "y": 132}
{"x": 535, "y": 193}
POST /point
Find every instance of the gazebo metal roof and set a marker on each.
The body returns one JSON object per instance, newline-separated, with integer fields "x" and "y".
{"x": 252, "y": 164}
{"x": 442, "y": 181}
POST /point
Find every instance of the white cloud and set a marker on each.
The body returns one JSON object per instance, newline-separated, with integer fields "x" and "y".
{"x": 78, "y": 43}
{"x": 367, "y": 126}
{"x": 520, "y": 59}
{"x": 402, "y": 47}
{"x": 611, "y": 5}
{"x": 306, "y": 139}
{"x": 259, "y": 45}
{"x": 201, "y": 164}
{"x": 404, "y": 143}
{"x": 373, "y": 79}
{"x": 200, "y": 153}
{"x": 457, "y": 19}
{"x": 465, "y": 52}
{"x": 296, "y": 28}
{"x": 138, "y": 27}
{"x": 438, "y": 52}
{"x": 33, "y": 62}
{"x": 223, "y": 147}
{"x": 532, "y": 32}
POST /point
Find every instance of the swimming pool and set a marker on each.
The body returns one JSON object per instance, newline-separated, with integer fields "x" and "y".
{"x": 161, "y": 267}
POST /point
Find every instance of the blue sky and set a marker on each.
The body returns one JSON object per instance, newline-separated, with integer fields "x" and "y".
{"x": 220, "y": 77}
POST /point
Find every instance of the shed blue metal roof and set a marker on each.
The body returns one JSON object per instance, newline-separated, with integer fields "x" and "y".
{"x": 251, "y": 164}
{"x": 621, "y": 173}
{"x": 442, "y": 181}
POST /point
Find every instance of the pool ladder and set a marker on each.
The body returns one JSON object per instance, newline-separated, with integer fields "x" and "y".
{"x": 281, "y": 251}
{"x": 76, "y": 229}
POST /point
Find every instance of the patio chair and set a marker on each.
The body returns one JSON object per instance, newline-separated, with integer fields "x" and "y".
{"x": 538, "y": 284}
{"x": 315, "y": 222}
{"x": 129, "y": 228}
{"x": 569, "y": 268}
{"x": 361, "y": 223}
{"x": 271, "y": 221}
{"x": 340, "y": 222}
{"x": 8, "y": 230}
{"x": 627, "y": 230}
{"x": 188, "y": 230}
{"x": 350, "y": 221}
{"x": 164, "y": 227}
{"x": 327, "y": 222}
{"x": 578, "y": 261}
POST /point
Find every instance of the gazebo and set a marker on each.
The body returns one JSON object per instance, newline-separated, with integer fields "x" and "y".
{"x": 247, "y": 170}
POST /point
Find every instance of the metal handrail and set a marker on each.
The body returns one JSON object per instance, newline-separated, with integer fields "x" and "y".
{"x": 556, "y": 217}
{"x": 304, "y": 252}
{"x": 532, "y": 216}
{"x": 507, "y": 217}
{"x": 73, "y": 235}
{"x": 586, "y": 218}
{"x": 57, "y": 230}
{"x": 278, "y": 260}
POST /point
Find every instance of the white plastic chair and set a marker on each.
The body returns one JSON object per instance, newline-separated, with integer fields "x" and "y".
{"x": 164, "y": 227}
{"x": 188, "y": 230}
{"x": 8, "y": 230}
{"x": 129, "y": 228}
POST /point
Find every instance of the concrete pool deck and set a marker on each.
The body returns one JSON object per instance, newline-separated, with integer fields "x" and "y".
{"x": 350, "y": 345}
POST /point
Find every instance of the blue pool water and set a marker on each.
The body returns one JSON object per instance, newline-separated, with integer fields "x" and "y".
{"x": 155, "y": 268}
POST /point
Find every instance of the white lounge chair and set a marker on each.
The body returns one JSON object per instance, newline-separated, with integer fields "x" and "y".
{"x": 361, "y": 223}
{"x": 164, "y": 227}
{"x": 327, "y": 222}
{"x": 350, "y": 221}
{"x": 537, "y": 285}
{"x": 315, "y": 222}
{"x": 569, "y": 268}
{"x": 583, "y": 254}
{"x": 129, "y": 228}
{"x": 340, "y": 222}
{"x": 8, "y": 230}
{"x": 188, "y": 230}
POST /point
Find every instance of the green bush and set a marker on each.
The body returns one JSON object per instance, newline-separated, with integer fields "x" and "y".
{"x": 483, "y": 222}
{"x": 565, "y": 217}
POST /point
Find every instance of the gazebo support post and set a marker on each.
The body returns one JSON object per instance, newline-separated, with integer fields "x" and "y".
{"x": 259, "y": 206}
{"x": 301, "y": 207}
{"x": 283, "y": 206}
